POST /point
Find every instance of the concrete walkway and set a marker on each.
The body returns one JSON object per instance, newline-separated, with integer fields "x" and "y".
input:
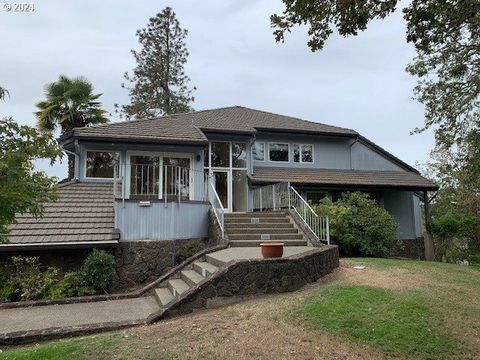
{"x": 248, "y": 253}
{"x": 42, "y": 318}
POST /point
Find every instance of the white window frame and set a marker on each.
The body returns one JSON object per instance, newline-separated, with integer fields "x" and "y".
{"x": 160, "y": 155}
{"x": 101, "y": 178}
{"x": 300, "y": 159}
{"x": 279, "y": 143}
{"x": 264, "y": 152}
{"x": 229, "y": 169}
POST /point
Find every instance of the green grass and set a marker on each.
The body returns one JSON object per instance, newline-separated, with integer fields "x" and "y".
{"x": 78, "y": 349}
{"x": 394, "y": 322}
{"x": 436, "y": 315}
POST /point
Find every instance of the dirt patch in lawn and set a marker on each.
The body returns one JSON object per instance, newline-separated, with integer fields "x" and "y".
{"x": 396, "y": 278}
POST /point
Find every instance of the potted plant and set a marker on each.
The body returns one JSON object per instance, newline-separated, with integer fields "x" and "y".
{"x": 272, "y": 250}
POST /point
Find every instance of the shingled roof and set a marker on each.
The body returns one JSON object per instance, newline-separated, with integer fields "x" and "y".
{"x": 190, "y": 127}
{"x": 83, "y": 216}
{"x": 401, "y": 180}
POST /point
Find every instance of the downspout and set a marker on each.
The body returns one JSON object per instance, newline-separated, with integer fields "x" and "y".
{"x": 351, "y": 145}
{"x": 77, "y": 160}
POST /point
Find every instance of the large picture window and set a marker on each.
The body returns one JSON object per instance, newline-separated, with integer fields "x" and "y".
{"x": 258, "y": 151}
{"x": 101, "y": 164}
{"x": 278, "y": 152}
{"x": 302, "y": 153}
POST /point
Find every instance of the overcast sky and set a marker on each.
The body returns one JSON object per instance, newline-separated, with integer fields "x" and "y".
{"x": 358, "y": 83}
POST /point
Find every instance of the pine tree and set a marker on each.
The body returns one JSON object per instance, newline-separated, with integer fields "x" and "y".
{"x": 159, "y": 85}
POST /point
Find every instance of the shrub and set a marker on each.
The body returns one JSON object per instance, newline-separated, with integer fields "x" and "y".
{"x": 455, "y": 237}
{"x": 360, "y": 226}
{"x": 97, "y": 270}
{"x": 28, "y": 281}
{"x": 6, "y": 288}
{"x": 71, "y": 285}
{"x": 188, "y": 251}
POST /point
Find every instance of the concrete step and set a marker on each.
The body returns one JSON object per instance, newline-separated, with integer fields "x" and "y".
{"x": 191, "y": 277}
{"x": 163, "y": 296}
{"x": 177, "y": 286}
{"x": 295, "y": 236}
{"x": 256, "y": 214}
{"x": 204, "y": 268}
{"x": 248, "y": 220}
{"x": 284, "y": 225}
{"x": 216, "y": 262}
{"x": 262, "y": 230}
{"x": 249, "y": 243}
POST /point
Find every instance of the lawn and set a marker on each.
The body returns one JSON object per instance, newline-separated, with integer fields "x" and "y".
{"x": 393, "y": 308}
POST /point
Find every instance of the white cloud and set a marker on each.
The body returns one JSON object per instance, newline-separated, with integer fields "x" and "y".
{"x": 358, "y": 82}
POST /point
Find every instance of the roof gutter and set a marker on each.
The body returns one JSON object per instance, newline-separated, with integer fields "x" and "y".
{"x": 57, "y": 245}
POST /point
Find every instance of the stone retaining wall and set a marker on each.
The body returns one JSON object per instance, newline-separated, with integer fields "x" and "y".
{"x": 242, "y": 278}
{"x": 141, "y": 261}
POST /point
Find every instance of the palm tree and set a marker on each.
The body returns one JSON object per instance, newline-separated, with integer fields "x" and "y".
{"x": 3, "y": 93}
{"x": 69, "y": 103}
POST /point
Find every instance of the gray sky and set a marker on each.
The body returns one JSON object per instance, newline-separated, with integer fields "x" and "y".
{"x": 358, "y": 83}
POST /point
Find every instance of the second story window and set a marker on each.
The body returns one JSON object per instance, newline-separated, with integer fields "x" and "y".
{"x": 302, "y": 153}
{"x": 101, "y": 164}
{"x": 278, "y": 152}
{"x": 258, "y": 151}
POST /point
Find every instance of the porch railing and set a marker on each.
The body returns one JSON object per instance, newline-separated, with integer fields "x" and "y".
{"x": 283, "y": 196}
{"x": 160, "y": 181}
{"x": 169, "y": 183}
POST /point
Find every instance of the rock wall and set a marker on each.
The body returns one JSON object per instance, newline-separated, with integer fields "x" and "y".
{"x": 141, "y": 261}
{"x": 243, "y": 278}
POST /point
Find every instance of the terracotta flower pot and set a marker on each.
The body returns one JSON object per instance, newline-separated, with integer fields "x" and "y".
{"x": 272, "y": 250}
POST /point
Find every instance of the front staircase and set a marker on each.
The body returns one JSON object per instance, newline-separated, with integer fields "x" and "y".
{"x": 184, "y": 280}
{"x": 254, "y": 228}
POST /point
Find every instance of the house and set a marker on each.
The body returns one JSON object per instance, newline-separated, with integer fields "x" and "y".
{"x": 147, "y": 184}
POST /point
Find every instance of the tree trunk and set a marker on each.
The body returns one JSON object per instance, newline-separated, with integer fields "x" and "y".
{"x": 71, "y": 167}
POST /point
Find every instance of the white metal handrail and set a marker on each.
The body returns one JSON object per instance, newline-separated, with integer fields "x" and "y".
{"x": 217, "y": 207}
{"x": 281, "y": 196}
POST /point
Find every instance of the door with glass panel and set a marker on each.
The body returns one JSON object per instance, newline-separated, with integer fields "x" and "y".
{"x": 221, "y": 181}
{"x": 227, "y": 162}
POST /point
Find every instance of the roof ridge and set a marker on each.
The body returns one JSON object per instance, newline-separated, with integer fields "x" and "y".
{"x": 156, "y": 118}
{"x": 294, "y": 117}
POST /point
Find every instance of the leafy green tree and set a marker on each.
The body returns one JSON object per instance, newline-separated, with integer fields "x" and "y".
{"x": 159, "y": 85}
{"x": 70, "y": 103}
{"x": 22, "y": 188}
{"x": 445, "y": 34}
{"x": 359, "y": 225}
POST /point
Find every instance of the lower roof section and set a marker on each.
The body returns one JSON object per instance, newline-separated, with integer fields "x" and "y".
{"x": 401, "y": 180}
{"x": 83, "y": 216}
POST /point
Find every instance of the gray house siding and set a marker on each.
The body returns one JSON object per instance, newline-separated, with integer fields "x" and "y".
{"x": 329, "y": 153}
{"x": 364, "y": 158}
{"x": 159, "y": 222}
{"x": 400, "y": 204}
